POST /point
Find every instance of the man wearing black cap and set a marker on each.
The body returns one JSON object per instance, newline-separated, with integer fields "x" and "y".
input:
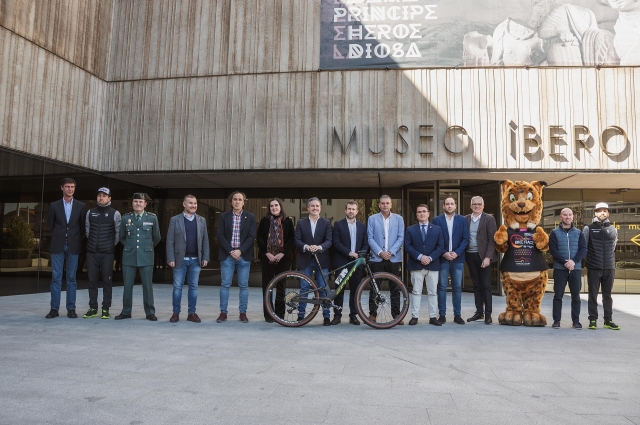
{"x": 139, "y": 234}
{"x": 102, "y": 226}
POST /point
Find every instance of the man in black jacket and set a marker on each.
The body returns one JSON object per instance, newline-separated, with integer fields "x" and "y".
{"x": 102, "y": 228}
{"x": 66, "y": 222}
{"x": 601, "y": 238}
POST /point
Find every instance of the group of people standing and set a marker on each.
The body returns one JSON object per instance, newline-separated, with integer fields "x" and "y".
{"x": 436, "y": 252}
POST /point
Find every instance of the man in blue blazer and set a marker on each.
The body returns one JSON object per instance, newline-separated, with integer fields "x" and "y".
{"x": 236, "y": 233}
{"x": 66, "y": 222}
{"x": 385, "y": 232}
{"x": 456, "y": 238}
{"x": 313, "y": 236}
{"x": 349, "y": 237}
{"x": 424, "y": 244}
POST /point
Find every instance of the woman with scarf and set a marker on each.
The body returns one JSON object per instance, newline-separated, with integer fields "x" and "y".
{"x": 275, "y": 244}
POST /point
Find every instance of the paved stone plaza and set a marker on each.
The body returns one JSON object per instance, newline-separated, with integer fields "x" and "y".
{"x": 92, "y": 371}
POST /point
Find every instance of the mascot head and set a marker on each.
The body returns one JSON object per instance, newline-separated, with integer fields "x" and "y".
{"x": 522, "y": 203}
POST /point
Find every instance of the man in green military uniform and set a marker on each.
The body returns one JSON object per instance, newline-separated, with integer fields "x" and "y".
{"x": 139, "y": 234}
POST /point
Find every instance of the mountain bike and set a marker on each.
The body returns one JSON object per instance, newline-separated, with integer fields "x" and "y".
{"x": 382, "y": 299}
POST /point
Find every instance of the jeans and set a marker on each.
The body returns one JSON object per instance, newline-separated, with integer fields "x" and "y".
{"x": 304, "y": 286}
{"x": 227, "y": 267}
{"x": 455, "y": 270}
{"x": 58, "y": 261}
{"x": 191, "y": 269}
{"x": 560, "y": 279}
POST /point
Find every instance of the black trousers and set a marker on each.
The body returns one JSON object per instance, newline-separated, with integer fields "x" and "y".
{"x": 269, "y": 271}
{"x": 600, "y": 279}
{"x": 393, "y": 268}
{"x": 560, "y": 280}
{"x": 100, "y": 264}
{"x": 354, "y": 282}
{"x": 481, "y": 278}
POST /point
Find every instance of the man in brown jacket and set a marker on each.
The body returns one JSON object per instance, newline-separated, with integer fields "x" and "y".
{"x": 481, "y": 252}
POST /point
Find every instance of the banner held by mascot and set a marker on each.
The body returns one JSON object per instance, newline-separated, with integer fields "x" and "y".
{"x": 523, "y": 270}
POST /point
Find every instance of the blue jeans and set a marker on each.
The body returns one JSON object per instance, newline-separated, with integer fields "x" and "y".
{"x": 191, "y": 268}
{"x": 58, "y": 262}
{"x": 304, "y": 286}
{"x": 227, "y": 267}
{"x": 455, "y": 270}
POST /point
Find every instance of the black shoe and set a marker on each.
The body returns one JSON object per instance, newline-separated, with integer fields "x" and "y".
{"x": 122, "y": 316}
{"x": 92, "y": 312}
{"x": 336, "y": 320}
{"x": 268, "y": 319}
{"x": 458, "y": 319}
{"x": 327, "y": 322}
{"x": 354, "y": 320}
{"x": 487, "y": 319}
{"x": 476, "y": 317}
{"x": 442, "y": 319}
{"x": 435, "y": 322}
{"x": 610, "y": 325}
{"x": 413, "y": 321}
{"x": 556, "y": 324}
{"x": 577, "y": 325}
{"x": 300, "y": 319}
{"x": 71, "y": 314}
{"x": 152, "y": 317}
{"x": 52, "y": 314}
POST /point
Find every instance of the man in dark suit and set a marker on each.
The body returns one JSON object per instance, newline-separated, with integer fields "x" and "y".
{"x": 66, "y": 221}
{"x": 187, "y": 252}
{"x": 313, "y": 236}
{"x": 456, "y": 238}
{"x": 349, "y": 237}
{"x": 481, "y": 252}
{"x": 139, "y": 234}
{"x": 236, "y": 233}
{"x": 424, "y": 244}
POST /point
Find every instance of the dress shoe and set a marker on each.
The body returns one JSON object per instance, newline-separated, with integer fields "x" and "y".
{"x": 122, "y": 316}
{"x": 174, "y": 318}
{"x": 193, "y": 317}
{"x": 52, "y": 314}
{"x": 152, "y": 317}
{"x": 354, "y": 320}
{"x": 71, "y": 314}
{"x": 222, "y": 318}
{"x": 487, "y": 319}
{"x": 372, "y": 318}
{"x": 268, "y": 319}
{"x": 435, "y": 322}
{"x": 459, "y": 320}
{"x": 400, "y": 322}
{"x": 476, "y": 317}
{"x": 413, "y": 321}
{"x": 300, "y": 318}
{"x": 327, "y": 322}
{"x": 442, "y": 319}
{"x": 336, "y": 320}
{"x": 244, "y": 318}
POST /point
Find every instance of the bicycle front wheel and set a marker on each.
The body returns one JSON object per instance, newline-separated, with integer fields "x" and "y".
{"x": 382, "y": 301}
{"x": 284, "y": 299}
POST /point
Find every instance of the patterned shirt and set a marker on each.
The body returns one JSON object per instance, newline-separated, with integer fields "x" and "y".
{"x": 235, "y": 235}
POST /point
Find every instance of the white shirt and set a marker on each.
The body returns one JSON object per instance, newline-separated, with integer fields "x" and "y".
{"x": 353, "y": 232}
{"x": 386, "y": 222}
{"x": 450, "y": 229}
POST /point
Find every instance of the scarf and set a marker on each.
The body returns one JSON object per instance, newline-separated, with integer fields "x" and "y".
{"x": 275, "y": 241}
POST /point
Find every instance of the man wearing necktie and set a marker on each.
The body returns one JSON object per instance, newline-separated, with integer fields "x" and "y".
{"x": 424, "y": 244}
{"x": 139, "y": 234}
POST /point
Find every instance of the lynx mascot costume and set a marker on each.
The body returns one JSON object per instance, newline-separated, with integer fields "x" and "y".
{"x": 523, "y": 270}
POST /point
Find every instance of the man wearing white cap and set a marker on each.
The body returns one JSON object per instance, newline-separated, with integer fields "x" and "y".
{"x": 102, "y": 226}
{"x": 601, "y": 238}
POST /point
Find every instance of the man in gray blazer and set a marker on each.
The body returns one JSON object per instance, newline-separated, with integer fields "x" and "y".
{"x": 187, "y": 252}
{"x": 481, "y": 252}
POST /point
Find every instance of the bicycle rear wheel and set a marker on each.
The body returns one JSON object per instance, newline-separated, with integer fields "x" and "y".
{"x": 385, "y": 307}
{"x": 283, "y": 299}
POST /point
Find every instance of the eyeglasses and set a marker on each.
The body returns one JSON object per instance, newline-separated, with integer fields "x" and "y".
{"x": 476, "y": 205}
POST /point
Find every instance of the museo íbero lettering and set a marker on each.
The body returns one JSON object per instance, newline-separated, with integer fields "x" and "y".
{"x": 478, "y": 33}
{"x": 527, "y": 140}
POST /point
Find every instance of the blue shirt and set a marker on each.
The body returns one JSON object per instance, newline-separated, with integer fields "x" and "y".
{"x": 68, "y": 207}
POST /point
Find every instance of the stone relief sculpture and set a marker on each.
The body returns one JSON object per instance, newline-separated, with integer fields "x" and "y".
{"x": 515, "y": 44}
{"x": 476, "y": 49}
{"x": 627, "y": 29}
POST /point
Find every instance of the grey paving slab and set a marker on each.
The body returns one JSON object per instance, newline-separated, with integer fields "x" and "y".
{"x": 66, "y": 371}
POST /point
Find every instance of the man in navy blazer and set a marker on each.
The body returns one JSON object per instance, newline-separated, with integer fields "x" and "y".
{"x": 236, "y": 233}
{"x": 313, "y": 236}
{"x": 66, "y": 221}
{"x": 385, "y": 232}
{"x": 456, "y": 238}
{"x": 424, "y": 244}
{"x": 349, "y": 237}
